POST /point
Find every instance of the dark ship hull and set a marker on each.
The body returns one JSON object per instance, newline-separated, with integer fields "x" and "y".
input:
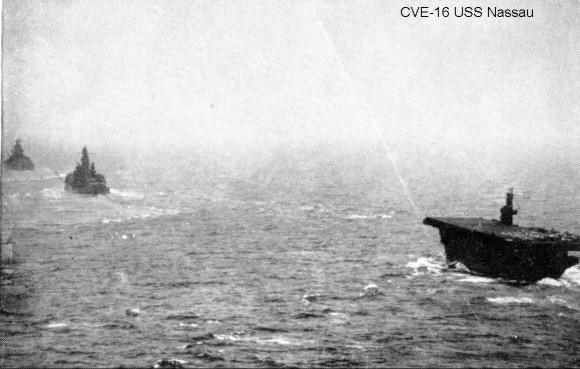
{"x": 490, "y": 248}
{"x": 19, "y": 164}
{"x": 91, "y": 189}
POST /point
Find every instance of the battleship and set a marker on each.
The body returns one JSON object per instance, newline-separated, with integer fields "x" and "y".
{"x": 501, "y": 249}
{"x": 85, "y": 179}
{"x": 17, "y": 160}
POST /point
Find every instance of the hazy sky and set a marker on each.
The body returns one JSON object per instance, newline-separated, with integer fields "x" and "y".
{"x": 182, "y": 72}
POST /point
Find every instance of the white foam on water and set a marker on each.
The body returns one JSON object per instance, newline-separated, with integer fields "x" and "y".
{"x": 190, "y": 325}
{"x": 189, "y": 345}
{"x": 510, "y": 300}
{"x": 277, "y": 340}
{"x": 58, "y": 327}
{"x": 308, "y": 298}
{"x": 572, "y": 275}
{"x": 154, "y": 212}
{"x": 169, "y": 363}
{"x": 122, "y": 276}
{"x": 477, "y": 279}
{"x": 127, "y": 236}
{"x": 230, "y": 337}
{"x": 370, "y": 290}
{"x": 553, "y": 282}
{"x": 127, "y": 194}
{"x": 49, "y": 174}
{"x": 557, "y": 300}
{"x": 133, "y": 312}
{"x": 136, "y": 212}
{"x": 562, "y": 302}
{"x": 116, "y": 220}
{"x": 338, "y": 318}
{"x": 371, "y": 286}
{"x": 425, "y": 265}
{"x": 458, "y": 267}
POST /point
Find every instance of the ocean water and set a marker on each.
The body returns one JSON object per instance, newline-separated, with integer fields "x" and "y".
{"x": 301, "y": 259}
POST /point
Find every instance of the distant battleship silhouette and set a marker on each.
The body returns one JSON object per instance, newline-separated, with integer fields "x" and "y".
{"x": 85, "y": 179}
{"x": 17, "y": 160}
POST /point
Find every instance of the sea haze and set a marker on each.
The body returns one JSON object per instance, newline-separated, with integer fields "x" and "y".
{"x": 310, "y": 256}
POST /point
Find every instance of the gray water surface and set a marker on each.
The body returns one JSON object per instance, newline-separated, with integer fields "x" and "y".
{"x": 269, "y": 268}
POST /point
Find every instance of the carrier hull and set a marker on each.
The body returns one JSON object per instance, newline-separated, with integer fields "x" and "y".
{"x": 489, "y": 248}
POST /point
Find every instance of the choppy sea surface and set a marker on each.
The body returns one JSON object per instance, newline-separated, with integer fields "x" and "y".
{"x": 302, "y": 259}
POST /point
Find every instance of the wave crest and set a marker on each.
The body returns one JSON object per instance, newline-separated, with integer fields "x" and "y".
{"x": 572, "y": 275}
{"x": 510, "y": 300}
{"x": 127, "y": 194}
{"x": 426, "y": 265}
